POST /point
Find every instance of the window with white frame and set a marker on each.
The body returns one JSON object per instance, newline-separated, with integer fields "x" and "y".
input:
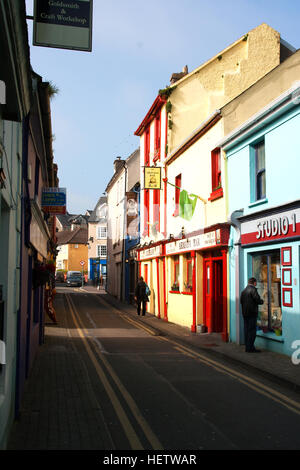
{"x": 101, "y": 231}
{"x": 101, "y": 251}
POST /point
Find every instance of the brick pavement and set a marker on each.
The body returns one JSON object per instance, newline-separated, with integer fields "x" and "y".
{"x": 59, "y": 408}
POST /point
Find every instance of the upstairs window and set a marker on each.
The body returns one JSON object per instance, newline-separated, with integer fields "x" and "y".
{"x": 157, "y": 136}
{"x": 147, "y": 147}
{"x": 260, "y": 171}
{"x": 101, "y": 251}
{"x": 177, "y": 194}
{"x": 101, "y": 232}
{"x": 216, "y": 175}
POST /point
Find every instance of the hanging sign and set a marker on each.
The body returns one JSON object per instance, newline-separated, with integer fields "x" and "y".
{"x": 65, "y": 24}
{"x": 54, "y": 200}
{"x": 152, "y": 177}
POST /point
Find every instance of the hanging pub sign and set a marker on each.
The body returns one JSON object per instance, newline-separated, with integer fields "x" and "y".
{"x": 152, "y": 177}
{"x": 64, "y": 24}
{"x": 54, "y": 200}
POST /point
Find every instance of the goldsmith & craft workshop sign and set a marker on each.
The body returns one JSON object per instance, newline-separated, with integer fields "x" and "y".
{"x": 54, "y": 200}
{"x": 65, "y": 24}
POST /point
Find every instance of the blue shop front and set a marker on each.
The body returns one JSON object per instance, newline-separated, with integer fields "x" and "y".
{"x": 270, "y": 252}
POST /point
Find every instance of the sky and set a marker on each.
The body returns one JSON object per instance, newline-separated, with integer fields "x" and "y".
{"x": 105, "y": 94}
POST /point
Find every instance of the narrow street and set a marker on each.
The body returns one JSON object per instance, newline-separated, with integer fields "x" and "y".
{"x": 103, "y": 380}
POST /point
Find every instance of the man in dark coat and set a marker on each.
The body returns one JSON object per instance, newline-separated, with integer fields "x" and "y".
{"x": 250, "y": 301}
{"x": 140, "y": 296}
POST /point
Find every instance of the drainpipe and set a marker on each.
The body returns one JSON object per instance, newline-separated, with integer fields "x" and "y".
{"x": 124, "y": 243}
{"x": 239, "y": 269}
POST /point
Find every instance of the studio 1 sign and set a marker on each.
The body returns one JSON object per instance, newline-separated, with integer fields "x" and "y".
{"x": 65, "y": 24}
{"x": 273, "y": 227}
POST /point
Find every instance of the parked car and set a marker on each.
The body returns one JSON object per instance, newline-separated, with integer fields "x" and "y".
{"x": 74, "y": 278}
{"x": 59, "y": 276}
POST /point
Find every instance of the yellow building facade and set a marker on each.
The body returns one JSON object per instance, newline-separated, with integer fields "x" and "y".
{"x": 72, "y": 250}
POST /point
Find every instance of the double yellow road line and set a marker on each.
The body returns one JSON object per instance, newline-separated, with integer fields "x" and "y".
{"x": 259, "y": 387}
{"x": 104, "y": 370}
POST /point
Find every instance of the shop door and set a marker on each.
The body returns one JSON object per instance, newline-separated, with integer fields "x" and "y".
{"x": 213, "y": 295}
{"x": 266, "y": 270}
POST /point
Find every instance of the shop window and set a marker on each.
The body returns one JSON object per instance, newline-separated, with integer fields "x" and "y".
{"x": 188, "y": 273}
{"x": 266, "y": 270}
{"x": 175, "y": 278}
{"x": 258, "y": 171}
{"x": 177, "y": 194}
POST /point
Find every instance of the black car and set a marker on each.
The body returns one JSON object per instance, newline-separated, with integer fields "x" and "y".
{"x": 74, "y": 278}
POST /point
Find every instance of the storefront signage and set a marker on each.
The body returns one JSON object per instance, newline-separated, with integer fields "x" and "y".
{"x": 276, "y": 226}
{"x": 63, "y": 24}
{"x": 152, "y": 178}
{"x": 54, "y": 200}
{"x": 197, "y": 242}
{"x": 150, "y": 252}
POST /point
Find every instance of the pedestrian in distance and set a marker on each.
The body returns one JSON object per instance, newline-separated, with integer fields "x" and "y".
{"x": 250, "y": 301}
{"x": 141, "y": 296}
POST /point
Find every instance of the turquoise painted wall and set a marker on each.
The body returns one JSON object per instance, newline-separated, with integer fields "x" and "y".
{"x": 282, "y": 144}
{"x": 10, "y": 231}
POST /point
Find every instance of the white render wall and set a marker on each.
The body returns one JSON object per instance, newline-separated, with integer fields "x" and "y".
{"x": 194, "y": 165}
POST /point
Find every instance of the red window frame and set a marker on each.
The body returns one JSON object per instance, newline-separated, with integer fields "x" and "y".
{"x": 147, "y": 147}
{"x": 157, "y": 137}
{"x": 216, "y": 175}
{"x": 177, "y": 194}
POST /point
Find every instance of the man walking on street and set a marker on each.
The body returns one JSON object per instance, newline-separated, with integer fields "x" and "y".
{"x": 141, "y": 296}
{"x": 250, "y": 301}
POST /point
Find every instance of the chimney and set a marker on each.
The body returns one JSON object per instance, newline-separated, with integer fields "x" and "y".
{"x": 118, "y": 163}
{"x": 177, "y": 76}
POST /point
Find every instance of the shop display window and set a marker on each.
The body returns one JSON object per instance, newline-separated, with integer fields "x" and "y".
{"x": 175, "y": 280}
{"x": 188, "y": 273}
{"x": 267, "y": 271}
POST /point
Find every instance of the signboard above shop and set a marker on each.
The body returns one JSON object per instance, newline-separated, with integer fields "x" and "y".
{"x": 54, "y": 200}
{"x": 65, "y": 24}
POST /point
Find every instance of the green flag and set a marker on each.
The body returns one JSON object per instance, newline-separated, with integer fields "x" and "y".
{"x": 187, "y": 204}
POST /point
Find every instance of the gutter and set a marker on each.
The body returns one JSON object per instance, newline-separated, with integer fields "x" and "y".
{"x": 234, "y": 221}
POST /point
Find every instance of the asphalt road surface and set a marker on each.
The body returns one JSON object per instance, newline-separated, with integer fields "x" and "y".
{"x": 154, "y": 393}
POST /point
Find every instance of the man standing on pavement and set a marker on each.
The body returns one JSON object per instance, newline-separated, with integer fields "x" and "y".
{"x": 141, "y": 296}
{"x": 250, "y": 301}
